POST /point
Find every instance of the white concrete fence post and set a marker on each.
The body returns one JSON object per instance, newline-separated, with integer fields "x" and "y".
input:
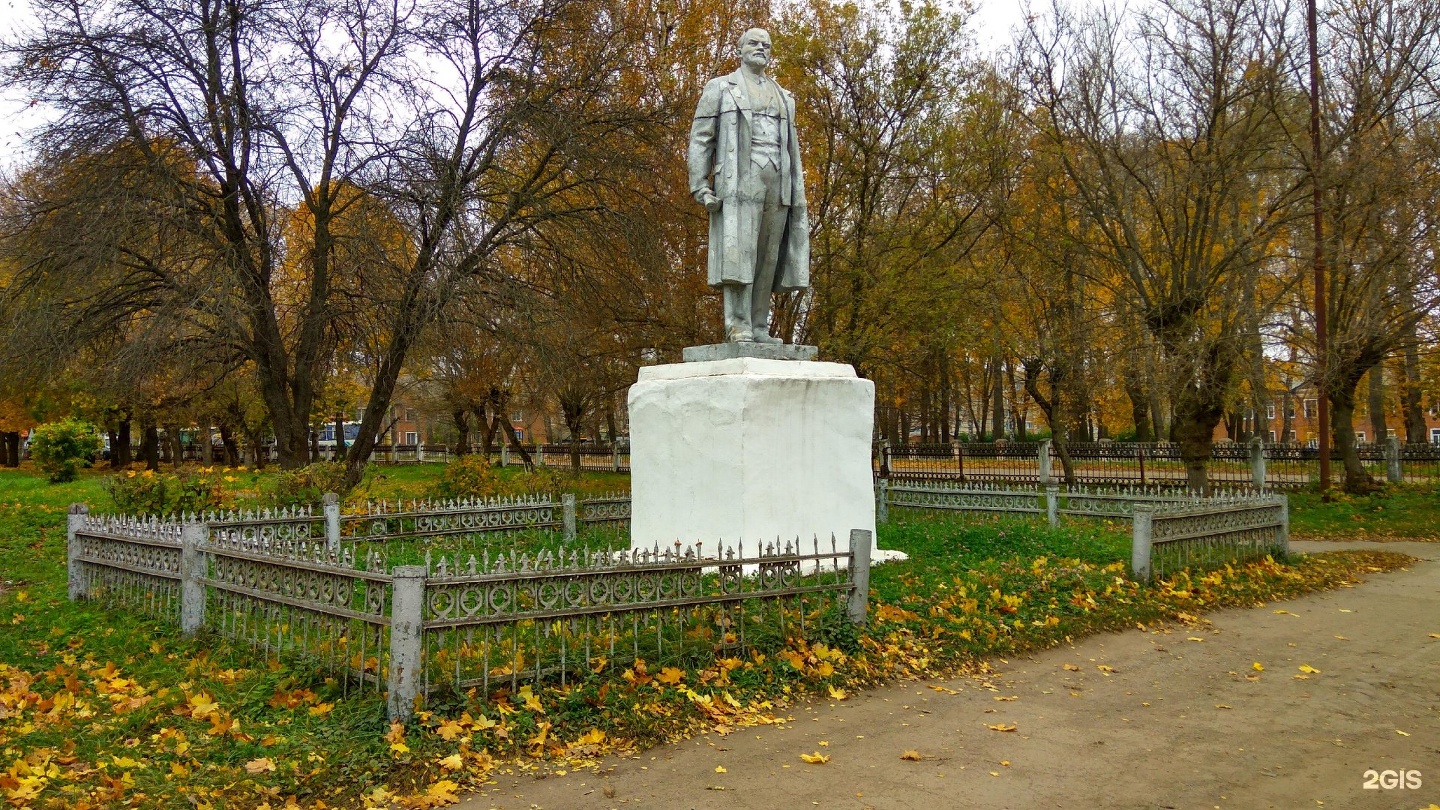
{"x": 332, "y": 521}
{"x": 407, "y": 604}
{"x": 539, "y": 455}
{"x": 859, "y": 603}
{"x": 614, "y": 456}
{"x": 1284, "y": 538}
{"x": 504, "y": 454}
{"x": 567, "y": 510}
{"x": 1392, "y": 460}
{"x": 1140, "y": 536}
{"x": 1257, "y": 463}
{"x": 1044, "y": 458}
{"x": 882, "y": 501}
{"x": 75, "y": 570}
{"x": 194, "y": 568}
{"x": 1052, "y": 505}
{"x": 419, "y": 450}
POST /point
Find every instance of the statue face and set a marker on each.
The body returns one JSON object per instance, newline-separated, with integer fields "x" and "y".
{"x": 755, "y": 48}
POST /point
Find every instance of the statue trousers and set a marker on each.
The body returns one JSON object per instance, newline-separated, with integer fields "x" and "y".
{"x": 747, "y": 306}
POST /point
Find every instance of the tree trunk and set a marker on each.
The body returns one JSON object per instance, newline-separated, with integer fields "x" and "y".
{"x": 231, "y": 449}
{"x": 1376, "y": 405}
{"x": 462, "y": 431}
{"x": 1342, "y": 408}
{"x": 11, "y": 448}
{"x": 340, "y": 437}
{"x": 1054, "y": 415}
{"x": 114, "y": 436}
{"x": 177, "y": 448}
{"x": 1159, "y": 420}
{"x": 997, "y": 396}
{"x": 1018, "y": 409}
{"x": 489, "y": 434}
{"x": 1287, "y": 414}
{"x": 514, "y": 439}
{"x": 123, "y": 435}
{"x": 1193, "y": 427}
{"x": 1414, "y": 413}
{"x": 1139, "y": 406}
{"x": 150, "y": 445}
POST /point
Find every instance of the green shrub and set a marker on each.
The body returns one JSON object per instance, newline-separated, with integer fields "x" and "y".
{"x": 538, "y": 480}
{"x": 147, "y": 493}
{"x": 469, "y": 476}
{"x": 138, "y": 493}
{"x": 307, "y": 485}
{"x": 61, "y": 448}
{"x": 197, "y": 491}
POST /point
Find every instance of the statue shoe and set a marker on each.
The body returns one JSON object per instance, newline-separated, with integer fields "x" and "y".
{"x": 739, "y": 336}
{"x": 763, "y": 336}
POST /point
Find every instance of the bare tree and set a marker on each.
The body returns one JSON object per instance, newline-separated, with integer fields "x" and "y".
{"x": 1171, "y": 131}
{"x": 1381, "y": 178}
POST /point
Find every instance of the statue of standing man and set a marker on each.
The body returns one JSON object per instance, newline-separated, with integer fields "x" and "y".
{"x": 745, "y": 169}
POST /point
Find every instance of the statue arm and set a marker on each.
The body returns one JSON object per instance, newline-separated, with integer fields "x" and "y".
{"x": 702, "y": 144}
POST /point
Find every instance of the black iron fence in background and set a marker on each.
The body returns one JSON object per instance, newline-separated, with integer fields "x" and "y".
{"x": 1274, "y": 466}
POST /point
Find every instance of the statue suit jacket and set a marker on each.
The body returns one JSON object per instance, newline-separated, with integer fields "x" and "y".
{"x": 720, "y": 147}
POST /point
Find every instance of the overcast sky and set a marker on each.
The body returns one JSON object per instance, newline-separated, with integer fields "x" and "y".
{"x": 991, "y": 24}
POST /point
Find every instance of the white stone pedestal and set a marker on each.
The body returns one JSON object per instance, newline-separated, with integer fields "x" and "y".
{"x": 750, "y": 449}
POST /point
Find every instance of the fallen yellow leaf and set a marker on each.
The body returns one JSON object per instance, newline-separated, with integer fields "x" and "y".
{"x": 1001, "y": 727}
{"x": 670, "y": 675}
{"x": 261, "y": 765}
{"x": 1402, "y": 733}
{"x": 1432, "y": 635}
{"x": 1258, "y": 667}
{"x": 323, "y": 708}
{"x": 720, "y": 769}
{"x": 816, "y": 758}
{"x": 1072, "y": 667}
{"x": 1309, "y": 670}
{"x": 529, "y": 699}
{"x": 454, "y": 762}
{"x": 837, "y": 693}
{"x": 912, "y": 756}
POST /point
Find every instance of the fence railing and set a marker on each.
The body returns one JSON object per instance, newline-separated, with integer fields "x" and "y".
{"x": 451, "y": 615}
{"x": 1169, "y": 529}
{"x": 1256, "y": 464}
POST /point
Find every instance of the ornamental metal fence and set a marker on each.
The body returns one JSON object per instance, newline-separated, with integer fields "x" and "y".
{"x": 1170, "y": 530}
{"x": 561, "y": 616}
{"x": 1264, "y": 466}
{"x": 410, "y": 599}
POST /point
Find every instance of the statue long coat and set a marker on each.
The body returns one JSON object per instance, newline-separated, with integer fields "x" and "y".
{"x": 720, "y": 146}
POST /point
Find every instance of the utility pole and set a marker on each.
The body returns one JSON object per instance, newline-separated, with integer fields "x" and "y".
{"x": 1321, "y": 349}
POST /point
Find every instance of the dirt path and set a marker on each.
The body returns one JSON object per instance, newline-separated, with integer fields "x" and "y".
{"x": 1180, "y": 723}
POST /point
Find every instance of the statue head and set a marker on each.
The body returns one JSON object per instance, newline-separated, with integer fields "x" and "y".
{"x": 754, "y": 48}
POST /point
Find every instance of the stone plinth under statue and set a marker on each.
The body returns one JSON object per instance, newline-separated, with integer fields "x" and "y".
{"x": 751, "y": 449}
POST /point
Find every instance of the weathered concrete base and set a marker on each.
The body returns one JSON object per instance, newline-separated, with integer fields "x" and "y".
{"x": 763, "y": 351}
{"x": 751, "y": 449}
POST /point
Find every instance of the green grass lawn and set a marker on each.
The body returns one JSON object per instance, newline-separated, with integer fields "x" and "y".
{"x": 1407, "y": 511}
{"x": 103, "y": 708}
